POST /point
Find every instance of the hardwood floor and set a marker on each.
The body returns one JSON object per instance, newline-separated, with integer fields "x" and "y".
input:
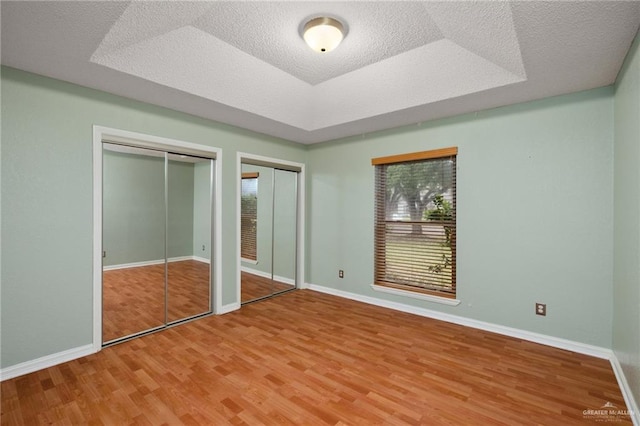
{"x": 310, "y": 358}
{"x": 254, "y": 287}
{"x": 189, "y": 289}
{"x": 134, "y": 298}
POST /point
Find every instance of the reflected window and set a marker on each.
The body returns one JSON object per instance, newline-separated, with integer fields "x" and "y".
{"x": 249, "y": 216}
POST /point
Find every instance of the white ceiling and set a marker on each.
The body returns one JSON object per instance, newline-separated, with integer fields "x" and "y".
{"x": 245, "y": 63}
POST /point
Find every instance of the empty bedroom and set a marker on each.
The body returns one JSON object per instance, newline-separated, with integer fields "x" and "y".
{"x": 342, "y": 213}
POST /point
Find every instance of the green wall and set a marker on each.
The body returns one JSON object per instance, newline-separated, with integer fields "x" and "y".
{"x": 47, "y": 196}
{"x": 180, "y": 179}
{"x": 202, "y": 194}
{"x": 133, "y": 222}
{"x": 626, "y": 276}
{"x": 534, "y": 211}
{"x": 134, "y": 208}
{"x": 284, "y": 224}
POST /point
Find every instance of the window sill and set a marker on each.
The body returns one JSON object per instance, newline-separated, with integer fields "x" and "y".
{"x": 251, "y": 261}
{"x": 414, "y": 295}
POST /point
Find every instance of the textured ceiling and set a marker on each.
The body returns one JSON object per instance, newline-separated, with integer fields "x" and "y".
{"x": 244, "y": 63}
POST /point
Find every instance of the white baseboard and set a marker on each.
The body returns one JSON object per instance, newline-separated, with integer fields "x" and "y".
{"x": 556, "y": 342}
{"x": 180, "y": 258}
{"x": 267, "y": 275}
{"x": 45, "y": 362}
{"x": 153, "y": 262}
{"x": 255, "y": 272}
{"x": 632, "y": 406}
{"x": 199, "y": 259}
{"x": 225, "y": 309}
{"x": 132, "y": 265}
{"x": 284, "y": 280}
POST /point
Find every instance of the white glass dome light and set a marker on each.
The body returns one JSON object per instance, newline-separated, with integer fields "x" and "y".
{"x": 323, "y": 34}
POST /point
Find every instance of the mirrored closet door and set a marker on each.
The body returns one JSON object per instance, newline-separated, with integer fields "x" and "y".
{"x": 268, "y": 231}
{"x": 157, "y": 218}
{"x": 133, "y": 241}
{"x": 188, "y": 237}
{"x": 284, "y": 230}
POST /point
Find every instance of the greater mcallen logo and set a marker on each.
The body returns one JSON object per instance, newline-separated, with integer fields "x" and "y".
{"x": 607, "y": 413}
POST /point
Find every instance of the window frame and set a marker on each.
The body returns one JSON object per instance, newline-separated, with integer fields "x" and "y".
{"x": 381, "y": 228}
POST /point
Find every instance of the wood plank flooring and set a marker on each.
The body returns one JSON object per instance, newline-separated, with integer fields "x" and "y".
{"x": 133, "y": 299}
{"x": 188, "y": 290}
{"x": 254, "y": 287}
{"x": 306, "y": 358}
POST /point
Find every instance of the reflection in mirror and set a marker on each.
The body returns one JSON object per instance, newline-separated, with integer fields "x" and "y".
{"x": 249, "y": 216}
{"x": 268, "y": 210}
{"x": 188, "y": 236}
{"x": 256, "y": 200}
{"x": 157, "y": 222}
{"x": 284, "y": 230}
{"x": 133, "y": 278}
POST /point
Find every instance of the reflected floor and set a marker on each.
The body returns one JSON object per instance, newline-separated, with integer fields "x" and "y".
{"x": 255, "y": 287}
{"x": 133, "y": 298}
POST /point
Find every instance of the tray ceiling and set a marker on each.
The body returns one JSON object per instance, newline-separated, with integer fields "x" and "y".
{"x": 245, "y": 63}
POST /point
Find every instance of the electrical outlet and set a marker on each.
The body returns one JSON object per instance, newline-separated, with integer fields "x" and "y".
{"x": 203, "y": 247}
{"x": 541, "y": 309}
{"x": 340, "y": 273}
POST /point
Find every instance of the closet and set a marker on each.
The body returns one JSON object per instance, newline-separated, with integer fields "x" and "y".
{"x": 268, "y": 241}
{"x": 157, "y": 215}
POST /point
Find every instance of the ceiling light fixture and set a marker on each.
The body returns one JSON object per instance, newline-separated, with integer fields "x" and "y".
{"x": 323, "y": 34}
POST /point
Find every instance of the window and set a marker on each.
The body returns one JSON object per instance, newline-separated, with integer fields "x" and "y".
{"x": 415, "y": 222}
{"x": 249, "y": 216}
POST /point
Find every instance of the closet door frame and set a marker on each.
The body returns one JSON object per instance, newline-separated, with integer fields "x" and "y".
{"x": 103, "y": 134}
{"x": 259, "y": 160}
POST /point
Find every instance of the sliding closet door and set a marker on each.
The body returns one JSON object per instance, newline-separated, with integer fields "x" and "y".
{"x": 256, "y": 218}
{"x": 189, "y": 195}
{"x": 133, "y": 278}
{"x": 284, "y": 229}
{"x": 268, "y": 210}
